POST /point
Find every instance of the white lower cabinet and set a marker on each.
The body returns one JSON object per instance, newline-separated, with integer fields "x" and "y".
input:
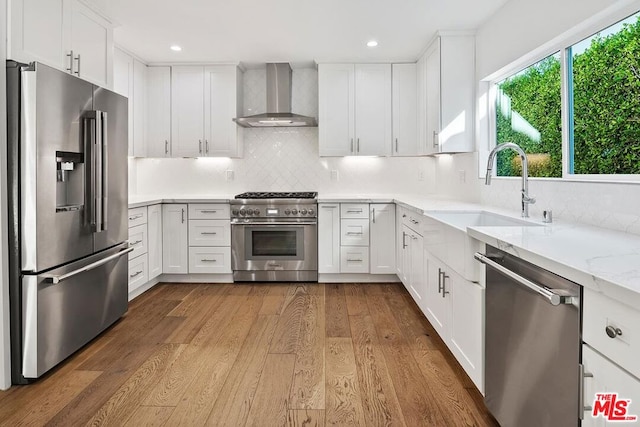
{"x": 354, "y": 259}
{"x": 354, "y": 232}
{"x": 328, "y": 238}
{"x": 454, "y": 306}
{"x": 138, "y": 240}
{"x": 175, "y": 254}
{"x": 382, "y": 229}
{"x": 154, "y": 240}
{"x": 138, "y": 272}
{"x": 602, "y": 376}
{"x": 211, "y": 260}
{"x": 209, "y": 232}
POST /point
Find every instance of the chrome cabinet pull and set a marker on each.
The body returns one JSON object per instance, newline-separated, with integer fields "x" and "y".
{"x": 208, "y": 233}
{"x": 354, "y": 211}
{"x": 358, "y": 145}
{"x": 206, "y": 145}
{"x": 77, "y": 71}
{"x": 137, "y": 273}
{"x": 439, "y": 280}
{"x": 552, "y": 297}
{"x": 182, "y": 215}
{"x": 131, "y": 218}
{"x": 435, "y": 139}
{"x": 135, "y": 243}
{"x": 404, "y": 245}
{"x": 373, "y": 215}
{"x": 208, "y": 260}
{"x": 354, "y": 233}
{"x": 70, "y": 56}
{"x": 166, "y": 146}
{"x": 582, "y": 408}
{"x": 351, "y": 146}
{"x": 396, "y": 145}
{"x": 200, "y": 146}
{"x": 353, "y": 260}
{"x": 208, "y": 211}
{"x": 444, "y": 284}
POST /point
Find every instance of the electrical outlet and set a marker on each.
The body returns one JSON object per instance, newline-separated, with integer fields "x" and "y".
{"x": 229, "y": 175}
{"x": 334, "y": 175}
{"x": 462, "y": 176}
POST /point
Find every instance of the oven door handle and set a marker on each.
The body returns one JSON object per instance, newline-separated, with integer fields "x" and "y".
{"x": 552, "y": 297}
{"x": 275, "y": 223}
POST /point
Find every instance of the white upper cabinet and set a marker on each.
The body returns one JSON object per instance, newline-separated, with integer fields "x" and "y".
{"x": 355, "y": 109}
{"x": 158, "y": 128}
{"x": 223, "y": 138}
{"x": 404, "y": 110}
{"x": 129, "y": 79}
{"x": 65, "y": 34}
{"x": 204, "y": 100}
{"x": 450, "y": 65}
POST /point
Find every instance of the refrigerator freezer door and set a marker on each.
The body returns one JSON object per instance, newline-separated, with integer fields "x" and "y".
{"x": 52, "y": 184}
{"x": 111, "y": 180}
{"x": 67, "y": 307}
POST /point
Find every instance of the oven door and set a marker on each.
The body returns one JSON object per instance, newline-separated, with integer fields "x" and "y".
{"x": 274, "y": 246}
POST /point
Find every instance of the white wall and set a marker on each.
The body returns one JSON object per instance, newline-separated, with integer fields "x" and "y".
{"x": 284, "y": 159}
{"x": 5, "y": 356}
{"x": 520, "y": 27}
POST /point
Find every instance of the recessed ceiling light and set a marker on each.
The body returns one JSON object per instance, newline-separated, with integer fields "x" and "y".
{"x": 372, "y": 43}
{"x": 176, "y": 48}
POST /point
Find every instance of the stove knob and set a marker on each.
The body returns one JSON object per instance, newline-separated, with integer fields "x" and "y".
{"x": 249, "y": 212}
{"x": 256, "y": 211}
{"x": 294, "y": 211}
{"x": 303, "y": 211}
{"x": 287, "y": 212}
{"x": 242, "y": 212}
{"x": 311, "y": 212}
{"x": 234, "y": 212}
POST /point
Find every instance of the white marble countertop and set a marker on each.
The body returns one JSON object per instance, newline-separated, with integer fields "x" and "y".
{"x": 605, "y": 260}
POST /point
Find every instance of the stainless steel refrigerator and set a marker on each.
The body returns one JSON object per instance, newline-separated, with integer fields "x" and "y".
{"x": 67, "y": 167}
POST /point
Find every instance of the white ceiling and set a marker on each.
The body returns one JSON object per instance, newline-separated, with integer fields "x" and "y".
{"x": 296, "y": 31}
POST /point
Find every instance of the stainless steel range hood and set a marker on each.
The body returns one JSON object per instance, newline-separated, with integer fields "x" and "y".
{"x": 278, "y": 102}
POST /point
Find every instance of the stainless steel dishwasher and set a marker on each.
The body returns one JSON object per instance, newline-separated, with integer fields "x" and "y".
{"x": 532, "y": 344}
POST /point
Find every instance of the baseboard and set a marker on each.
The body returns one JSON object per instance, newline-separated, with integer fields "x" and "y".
{"x": 144, "y": 288}
{"x": 196, "y": 278}
{"x": 357, "y": 278}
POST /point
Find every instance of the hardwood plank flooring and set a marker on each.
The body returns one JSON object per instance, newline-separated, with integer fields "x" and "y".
{"x": 264, "y": 354}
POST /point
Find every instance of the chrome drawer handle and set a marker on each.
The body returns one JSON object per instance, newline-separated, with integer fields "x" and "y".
{"x": 208, "y": 260}
{"x": 135, "y": 243}
{"x": 206, "y": 233}
{"x": 208, "y": 211}
{"x": 353, "y": 260}
{"x": 131, "y": 218}
{"x": 613, "y": 332}
{"x": 355, "y": 211}
{"x": 136, "y": 274}
{"x": 354, "y": 233}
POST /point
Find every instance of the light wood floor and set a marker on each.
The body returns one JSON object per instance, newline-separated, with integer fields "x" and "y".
{"x": 258, "y": 355}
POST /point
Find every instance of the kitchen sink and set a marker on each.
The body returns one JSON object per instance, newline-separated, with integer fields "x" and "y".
{"x": 464, "y": 219}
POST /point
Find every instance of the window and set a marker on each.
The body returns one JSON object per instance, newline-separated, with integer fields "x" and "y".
{"x": 596, "y": 80}
{"x": 604, "y": 95}
{"x": 528, "y": 113}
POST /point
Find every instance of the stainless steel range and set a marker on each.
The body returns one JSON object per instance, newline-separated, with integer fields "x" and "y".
{"x": 274, "y": 237}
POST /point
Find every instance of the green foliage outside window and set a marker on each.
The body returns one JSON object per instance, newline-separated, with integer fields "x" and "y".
{"x": 606, "y": 110}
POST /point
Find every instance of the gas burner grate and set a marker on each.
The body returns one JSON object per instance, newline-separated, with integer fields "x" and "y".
{"x": 278, "y": 195}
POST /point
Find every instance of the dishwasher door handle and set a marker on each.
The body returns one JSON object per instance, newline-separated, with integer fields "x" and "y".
{"x": 552, "y": 297}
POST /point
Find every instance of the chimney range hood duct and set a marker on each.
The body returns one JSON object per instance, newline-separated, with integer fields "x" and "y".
{"x": 278, "y": 102}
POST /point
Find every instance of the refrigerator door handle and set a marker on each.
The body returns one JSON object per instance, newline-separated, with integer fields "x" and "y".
{"x": 61, "y": 277}
{"x": 104, "y": 179}
{"x": 90, "y": 154}
{"x": 99, "y": 170}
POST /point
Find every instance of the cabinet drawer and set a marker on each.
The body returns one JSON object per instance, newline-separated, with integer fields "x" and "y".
{"x": 209, "y": 211}
{"x": 354, "y": 232}
{"x": 138, "y": 240}
{"x": 209, "y": 232}
{"x": 137, "y": 216}
{"x": 354, "y": 259}
{"x": 354, "y": 210}
{"x": 412, "y": 220}
{"x": 600, "y": 313}
{"x": 138, "y": 272}
{"x": 210, "y": 260}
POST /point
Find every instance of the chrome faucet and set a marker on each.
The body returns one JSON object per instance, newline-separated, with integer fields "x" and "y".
{"x": 526, "y": 199}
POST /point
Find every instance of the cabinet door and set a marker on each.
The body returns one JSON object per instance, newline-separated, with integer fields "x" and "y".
{"x": 433, "y": 98}
{"x": 209, "y": 232}
{"x": 154, "y": 240}
{"x": 416, "y": 278}
{"x": 466, "y": 325}
{"x": 373, "y": 109}
{"x": 354, "y": 259}
{"x": 220, "y": 131}
{"x": 174, "y": 239}
{"x": 436, "y": 306}
{"x": 422, "y": 102}
{"x": 405, "y": 114}
{"x": 37, "y": 32}
{"x": 123, "y": 84}
{"x": 607, "y": 378}
{"x": 139, "y": 101}
{"x": 382, "y": 235}
{"x": 354, "y": 232}
{"x": 158, "y": 124}
{"x": 406, "y": 257}
{"x": 328, "y": 238}
{"x": 138, "y": 240}
{"x": 336, "y": 101}
{"x": 211, "y": 260}
{"x": 187, "y": 111}
{"x": 92, "y": 40}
